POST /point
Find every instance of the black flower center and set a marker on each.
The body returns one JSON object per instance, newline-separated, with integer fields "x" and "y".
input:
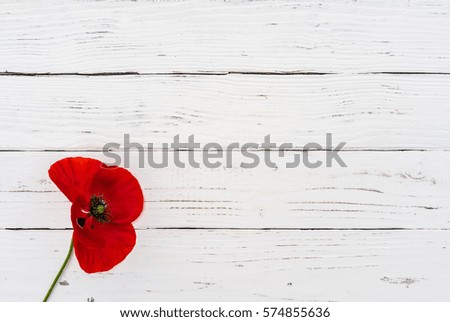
{"x": 98, "y": 208}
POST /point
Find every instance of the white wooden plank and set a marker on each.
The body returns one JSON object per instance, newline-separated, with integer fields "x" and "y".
{"x": 367, "y": 111}
{"x": 336, "y": 36}
{"x": 376, "y": 190}
{"x": 237, "y": 266}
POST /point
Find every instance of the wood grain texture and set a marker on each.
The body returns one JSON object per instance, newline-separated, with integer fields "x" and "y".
{"x": 376, "y": 190}
{"x": 175, "y": 265}
{"x": 376, "y": 74}
{"x": 262, "y": 36}
{"x": 367, "y": 111}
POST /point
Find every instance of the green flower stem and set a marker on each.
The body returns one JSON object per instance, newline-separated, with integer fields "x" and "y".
{"x": 49, "y": 292}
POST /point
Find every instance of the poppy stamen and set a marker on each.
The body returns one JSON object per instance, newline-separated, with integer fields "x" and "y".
{"x": 98, "y": 209}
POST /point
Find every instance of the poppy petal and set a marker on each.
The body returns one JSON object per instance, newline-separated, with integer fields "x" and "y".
{"x": 85, "y": 227}
{"x": 121, "y": 191}
{"x": 116, "y": 242}
{"x": 73, "y": 176}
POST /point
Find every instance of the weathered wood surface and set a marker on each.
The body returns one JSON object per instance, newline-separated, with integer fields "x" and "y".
{"x": 218, "y": 36}
{"x": 224, "y": 265}
{"x": 367, "y": 111}
{"x": 376, "y": 190}
{"x": 76, "y": 75}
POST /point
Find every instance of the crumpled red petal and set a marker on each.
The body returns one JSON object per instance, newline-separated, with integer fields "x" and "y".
{"x": 117, "y": 248}
{"x": 121, "y": 191}
{"x": 73, "y": 176}
{"x": 100, "y": 246}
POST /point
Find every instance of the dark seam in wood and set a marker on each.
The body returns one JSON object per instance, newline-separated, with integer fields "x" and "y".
{"x": 237, "y": 150}
{"x": 200, "y": 73}
{"x": 407, "y": 73}
{"x": 211, "y": 73}
{"x": 243, "y": 228}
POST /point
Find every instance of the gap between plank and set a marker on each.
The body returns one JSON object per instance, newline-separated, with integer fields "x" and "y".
{"x": 243, "y": 228}
{"x": 199, "y": 73}
{"x": 235, "y": 150}
{"x": 212, "y": 73}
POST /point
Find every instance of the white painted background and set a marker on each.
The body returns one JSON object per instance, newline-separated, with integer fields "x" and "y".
{"x": 75, "y": 75}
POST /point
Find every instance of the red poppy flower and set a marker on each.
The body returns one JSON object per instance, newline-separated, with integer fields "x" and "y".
{"x": 105, "y": 201}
